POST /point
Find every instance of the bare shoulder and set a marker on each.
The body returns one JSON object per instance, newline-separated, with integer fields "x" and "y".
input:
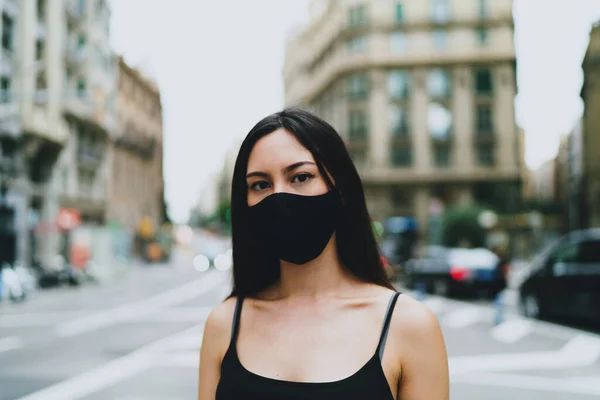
{"x": 413, "y": 321}
{"x": 217, "y": 329}
{"x": 420, "y": 350}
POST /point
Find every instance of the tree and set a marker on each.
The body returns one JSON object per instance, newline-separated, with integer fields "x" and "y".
{"x": 461, "y": 225}
{"x": 223, "y": 212}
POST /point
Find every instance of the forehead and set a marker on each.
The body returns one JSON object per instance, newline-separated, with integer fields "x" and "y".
{"x": 277, "y": 150}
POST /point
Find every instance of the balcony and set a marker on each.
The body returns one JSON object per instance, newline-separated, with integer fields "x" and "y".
{"x": 78, "y": 104}
{"x": 145, "y": 147}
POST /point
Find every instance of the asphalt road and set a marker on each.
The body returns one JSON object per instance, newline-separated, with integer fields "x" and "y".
{"x": 139, "y": 337}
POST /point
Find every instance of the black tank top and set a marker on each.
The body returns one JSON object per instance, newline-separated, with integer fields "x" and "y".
{"x": 369, "y": 382}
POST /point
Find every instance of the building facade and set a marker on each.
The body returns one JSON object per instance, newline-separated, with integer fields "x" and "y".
{"x": 591, "y": 131}
{"x": 575, "y": 205}
{"x": 136, "y": 189}
{"x": 422, "y": 92}
{"x": 57, "y": 81}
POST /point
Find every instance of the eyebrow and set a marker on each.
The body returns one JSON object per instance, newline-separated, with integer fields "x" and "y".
{"x": 285, "y": 170}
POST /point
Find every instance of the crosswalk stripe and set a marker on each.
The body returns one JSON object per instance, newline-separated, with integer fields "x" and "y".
{"x": 462, "y": 317}
{"x": 512, "y": 331}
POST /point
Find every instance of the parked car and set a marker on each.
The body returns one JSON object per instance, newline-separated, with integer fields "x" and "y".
{"x": 452, "y": 271}
{"x": 564, "y": 279}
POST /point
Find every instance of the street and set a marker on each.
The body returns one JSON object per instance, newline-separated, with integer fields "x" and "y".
{"x": 139, "y": 338}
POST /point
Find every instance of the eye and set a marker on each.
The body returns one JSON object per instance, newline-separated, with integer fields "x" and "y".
{"x": 260, "y": 185}
{"x": 302, "y": 178}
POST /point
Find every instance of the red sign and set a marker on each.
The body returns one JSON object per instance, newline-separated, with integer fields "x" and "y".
{"x": 68, "y": 218}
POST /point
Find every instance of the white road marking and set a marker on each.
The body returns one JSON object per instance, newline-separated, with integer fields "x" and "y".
{"x": 166, "y": 299}
{"x": 10, "y": 343}
{"x": 581, "y": 351}
{"x": 15, "y": 320}
{"x": 527, "y": 382}
{"x": 177, "y": 314}
{"x": 593, "y": 381}
{"x": 463, "y": 317}
{"x": 512, "y": 331}
{"x": 114, "y": 371}
{"x": 187, "y": 359}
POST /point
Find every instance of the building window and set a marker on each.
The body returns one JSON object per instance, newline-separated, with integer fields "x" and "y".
{"x": 441, "y": 154}
{"x": 358, "y": 125}
{"x": 398, "y": 82}
{"x": 80, "y": 42}
{"x": 398, "y": 121}
{"x": 4, "y": 89}
{"x": 41, "y": 10}
{"x": 438, "y": 84}
{"x": 401, "y": 156}
{"x": 485, "y": 154}
{"x": 357, "y": 45}
{"x": 357, "y": 16}
{"x": 440, "y": 39}
{"x": 484, "y": 122}
{"x": 481, "y": 34}
{"x": 483, "y": 81}
{"x": 483, "y": 9}
{"x": 397, "y": 43}
{"x": 358, "y": 86}
{"x": 439, "y": 121}
{"x": 399, "y": 12}
{"x": 81, "y": 91}
{"x": 8, "y": 26}
{"x": 440, "y": 11}
{"x": 39, "y": 49}
{"x": 41, "y": 85}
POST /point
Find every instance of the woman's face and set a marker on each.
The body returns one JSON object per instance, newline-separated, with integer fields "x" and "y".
{"x": 279, "y": 163}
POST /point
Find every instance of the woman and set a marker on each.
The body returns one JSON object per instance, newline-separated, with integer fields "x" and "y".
{"x": 312, "y": 314}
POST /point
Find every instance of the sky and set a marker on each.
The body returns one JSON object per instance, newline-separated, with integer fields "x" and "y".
{"x": 218, "y": 64}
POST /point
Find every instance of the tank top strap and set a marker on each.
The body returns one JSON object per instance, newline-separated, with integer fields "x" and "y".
{"x": 235, "y": 326}
{"x": 386, "y": 324}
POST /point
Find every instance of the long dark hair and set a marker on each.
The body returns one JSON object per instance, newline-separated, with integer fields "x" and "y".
{"x": 253, "y": 269}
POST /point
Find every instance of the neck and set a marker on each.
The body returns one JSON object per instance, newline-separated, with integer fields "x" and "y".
{"x": 321, "y": 277}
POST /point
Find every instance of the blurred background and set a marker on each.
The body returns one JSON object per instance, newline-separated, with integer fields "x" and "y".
{"x": 471, "y": 123}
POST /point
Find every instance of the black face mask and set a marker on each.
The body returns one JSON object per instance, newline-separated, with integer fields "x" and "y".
{"x": 296, "y": 228}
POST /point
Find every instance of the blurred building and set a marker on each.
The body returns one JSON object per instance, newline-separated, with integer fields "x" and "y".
{"x": 136, "y": 181}
{"x": 226, "y": 174}
{"x": 591, "y": 130}
{"x": 88, "y": 75}
{"x": 575, "y": 204}
{"x": 55, "y": 82}
{"x": 542, "y": 183}
{"x": 422, "y": 92}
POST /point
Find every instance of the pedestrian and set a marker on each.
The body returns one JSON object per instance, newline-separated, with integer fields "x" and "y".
{"x": 312, "y": 314}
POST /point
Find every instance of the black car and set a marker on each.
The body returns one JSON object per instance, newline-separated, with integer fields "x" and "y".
{"x": 451, "y": 271}
{"x": 564, "y": 280}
